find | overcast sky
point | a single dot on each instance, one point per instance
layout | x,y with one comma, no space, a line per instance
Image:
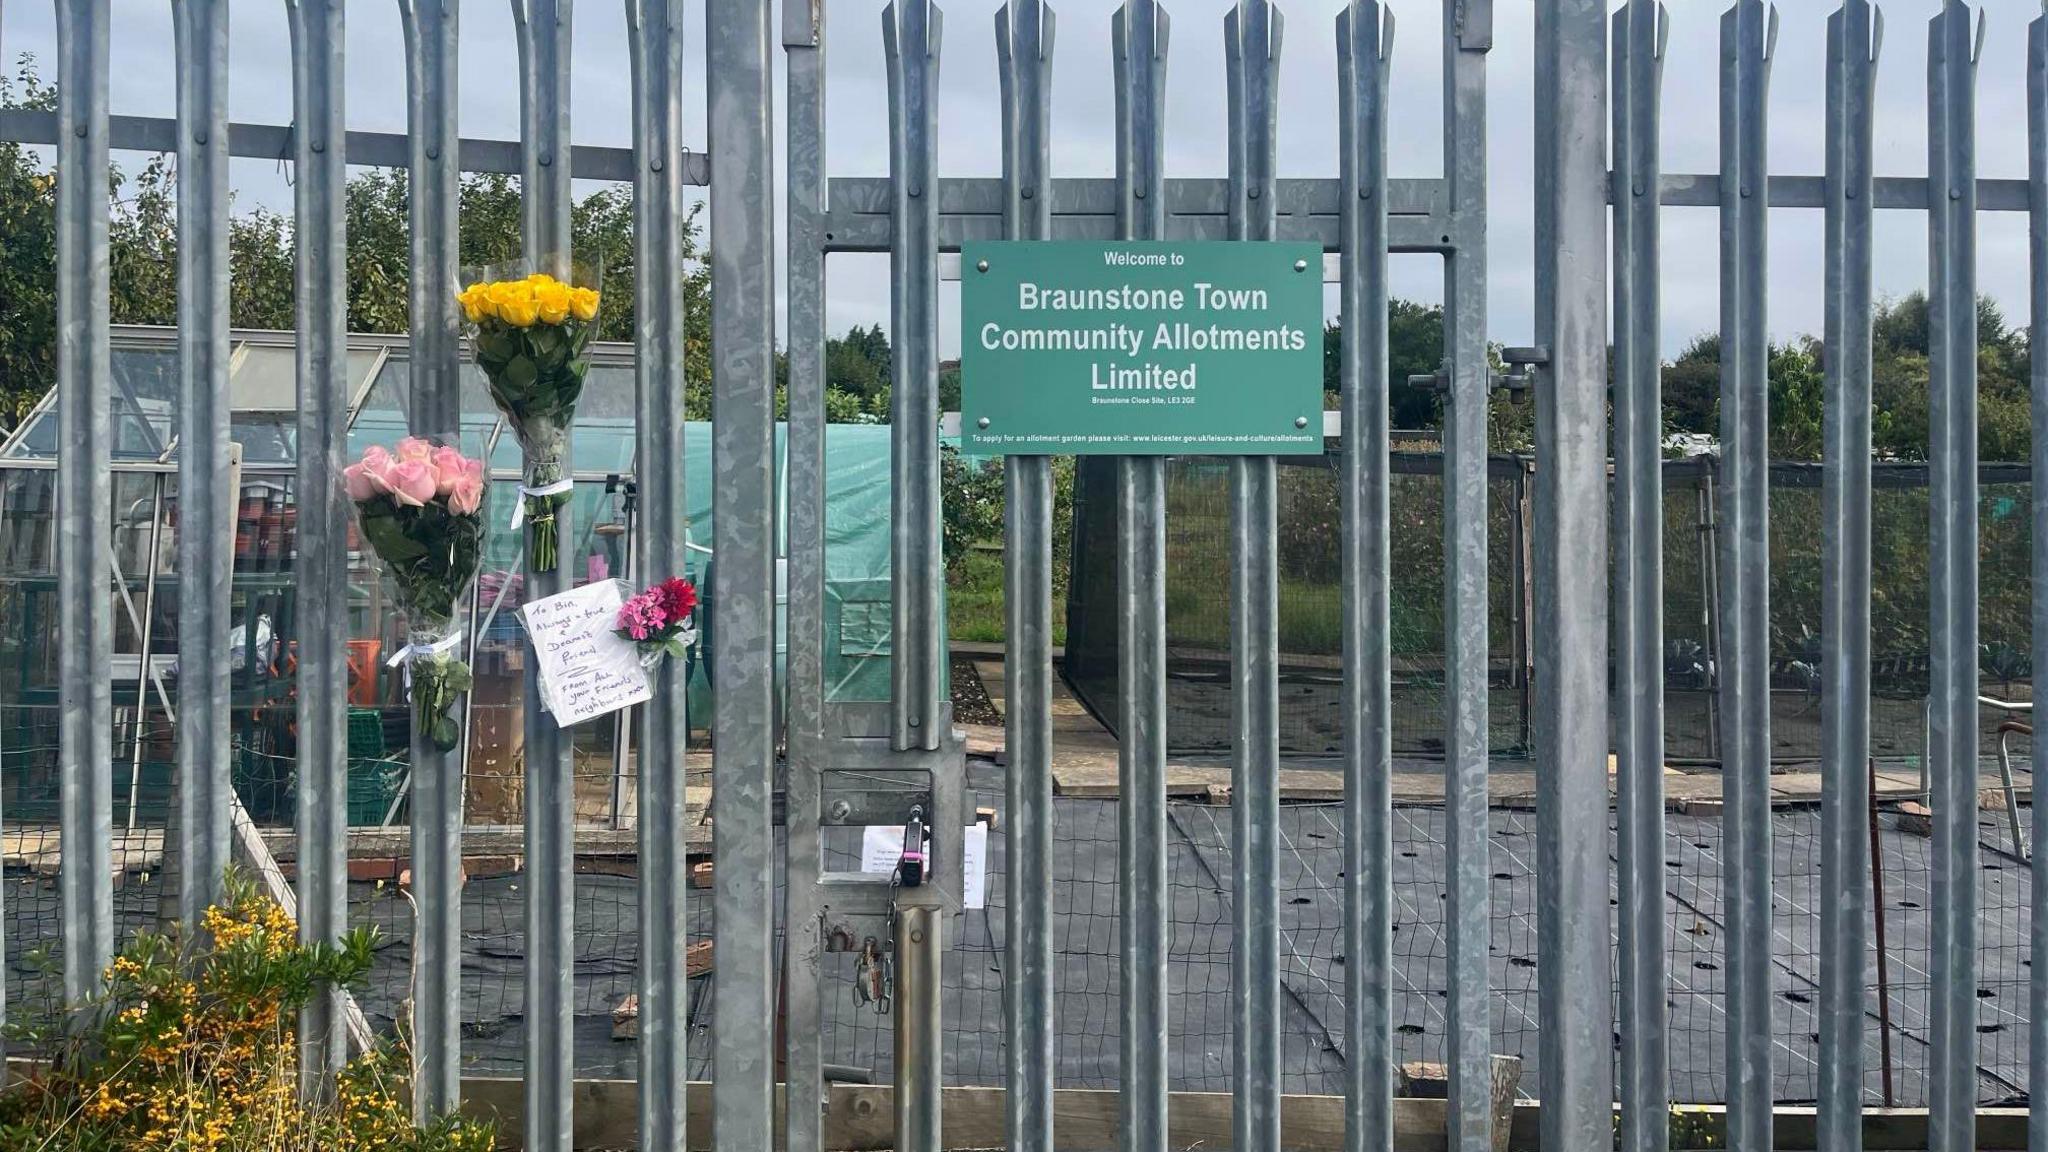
1083,139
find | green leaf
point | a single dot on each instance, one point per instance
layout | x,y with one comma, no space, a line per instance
519,375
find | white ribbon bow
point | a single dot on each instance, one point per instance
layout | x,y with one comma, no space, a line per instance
412,652
519,505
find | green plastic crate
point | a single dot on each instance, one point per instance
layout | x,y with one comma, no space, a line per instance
372,784
365,733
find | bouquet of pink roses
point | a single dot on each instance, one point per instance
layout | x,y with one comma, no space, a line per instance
660,621
421,510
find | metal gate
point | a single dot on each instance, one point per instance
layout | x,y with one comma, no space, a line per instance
861,763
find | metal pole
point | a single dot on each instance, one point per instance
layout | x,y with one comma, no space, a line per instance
1365,41
743,507
84,491
206,526
1748,32
912,31
1139,34
321,566
1640,29
146,633
434,406
655,32
919,1028
1024,43
1710,598
1884,979
1853,34
1577,992
1952,515
2037,266
1468,36
543,28
1252,37
911,36
803,40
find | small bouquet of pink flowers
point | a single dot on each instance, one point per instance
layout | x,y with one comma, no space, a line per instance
660,621
421,511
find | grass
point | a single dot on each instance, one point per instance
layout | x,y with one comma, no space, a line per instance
974,600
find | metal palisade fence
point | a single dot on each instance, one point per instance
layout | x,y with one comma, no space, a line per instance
1597,644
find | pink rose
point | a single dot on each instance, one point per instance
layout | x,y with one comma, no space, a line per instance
414,448
466,495
375,464
411,482
361,483
449,467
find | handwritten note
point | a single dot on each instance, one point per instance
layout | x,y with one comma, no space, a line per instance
586,670
881,847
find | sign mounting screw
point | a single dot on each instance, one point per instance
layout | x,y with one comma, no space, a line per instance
981,423
1301,421
981,266
1301,265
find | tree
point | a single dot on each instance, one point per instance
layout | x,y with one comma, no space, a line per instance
1415,347
143,255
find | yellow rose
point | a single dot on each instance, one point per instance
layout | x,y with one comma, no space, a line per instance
476,303
552,299
583,303
519,313
508,294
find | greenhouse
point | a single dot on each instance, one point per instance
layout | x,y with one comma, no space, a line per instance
142,529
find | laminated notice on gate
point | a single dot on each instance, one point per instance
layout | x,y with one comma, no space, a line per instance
881,848
586,670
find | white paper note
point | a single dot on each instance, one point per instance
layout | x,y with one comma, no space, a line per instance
586,670
881,849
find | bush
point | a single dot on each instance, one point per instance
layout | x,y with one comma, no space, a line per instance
192,1046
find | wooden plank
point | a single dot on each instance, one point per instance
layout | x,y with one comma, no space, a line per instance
255,856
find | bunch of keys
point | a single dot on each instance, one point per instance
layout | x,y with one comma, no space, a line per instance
872,983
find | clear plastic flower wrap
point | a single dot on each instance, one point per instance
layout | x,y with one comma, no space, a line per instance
531,333
420,504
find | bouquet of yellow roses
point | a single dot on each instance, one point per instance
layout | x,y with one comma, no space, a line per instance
530,335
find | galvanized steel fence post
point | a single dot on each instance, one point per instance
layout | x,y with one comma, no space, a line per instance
320,313
1024,43
2038,369
910,39
206,506
2037,267
1251,42
911,36
1640,28
84,491
1365,35
434,406
742,239
803,41
1952,46
1467,38
1748,33
1853,38
543,28
1139,33
659,220
1577,988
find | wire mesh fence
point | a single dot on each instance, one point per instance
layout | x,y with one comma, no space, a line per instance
1197,610
1200,949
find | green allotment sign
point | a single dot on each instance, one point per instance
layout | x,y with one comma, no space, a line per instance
1211,348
